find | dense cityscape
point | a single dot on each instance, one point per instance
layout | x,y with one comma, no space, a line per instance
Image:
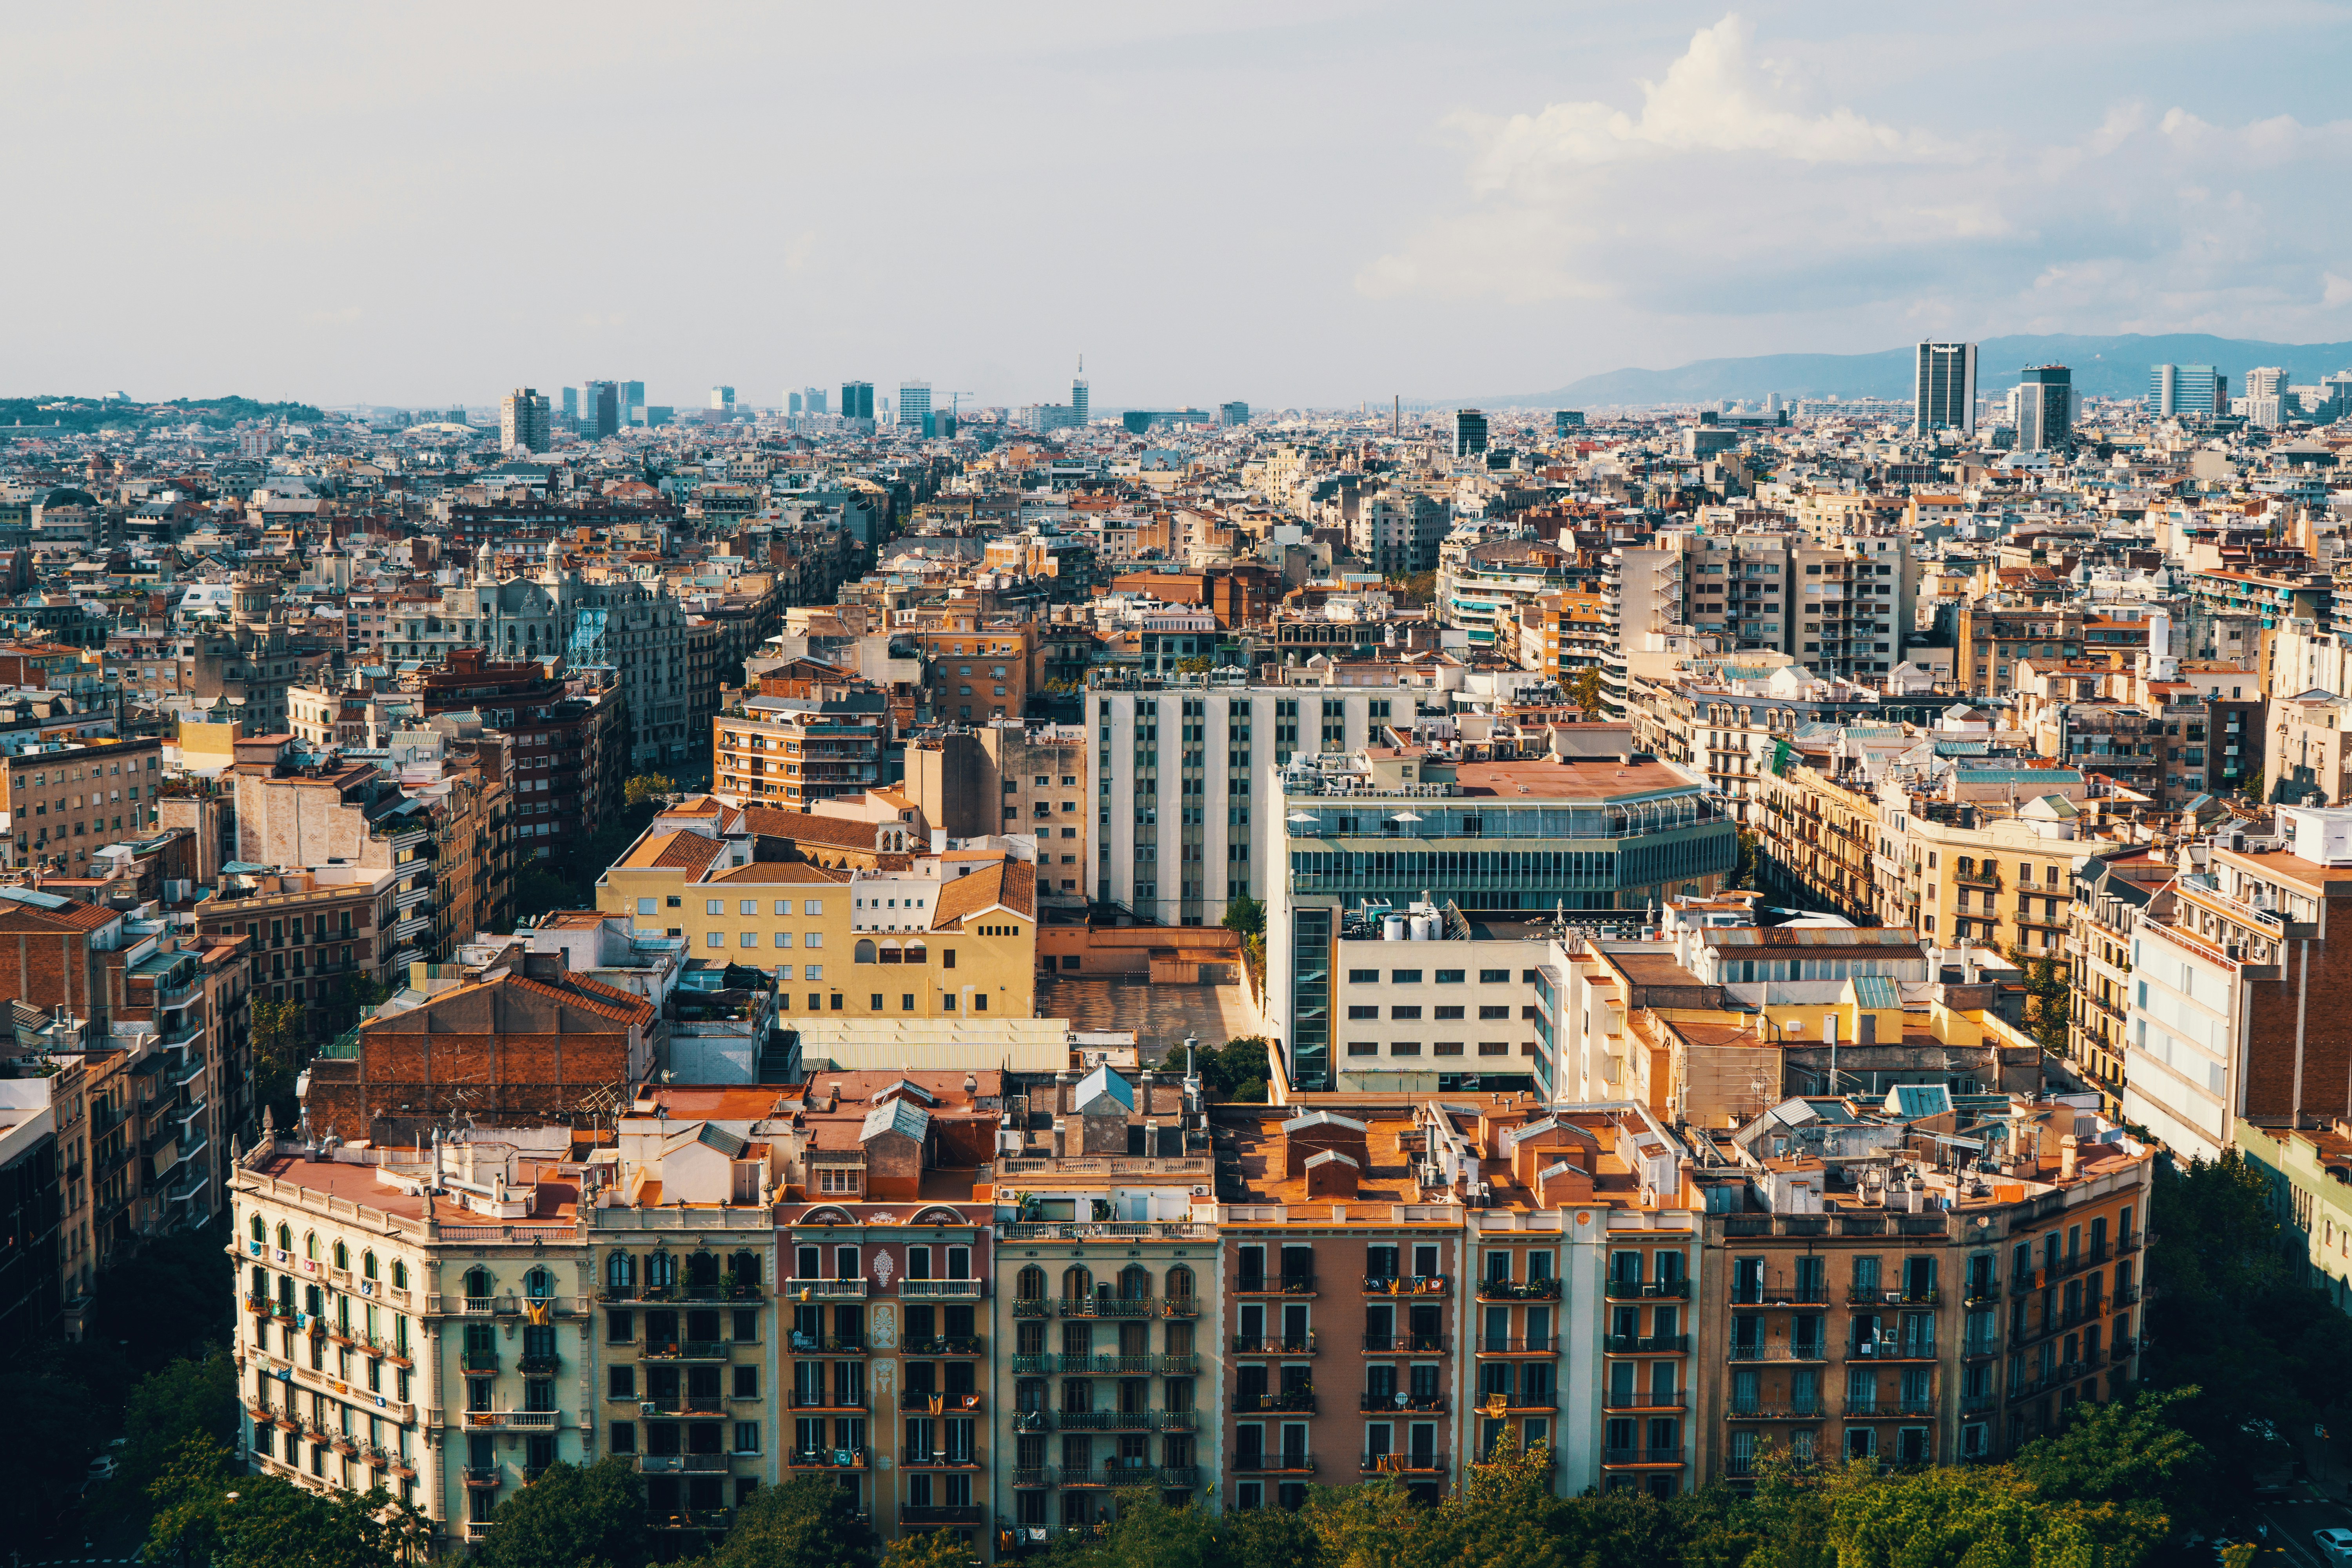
450,853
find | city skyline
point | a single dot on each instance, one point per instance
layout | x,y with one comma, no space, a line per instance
2118,176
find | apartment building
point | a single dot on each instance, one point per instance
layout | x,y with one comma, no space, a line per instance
792,751
2310,1199
35,1270
307,931
2225,1016
975,669
67,799
677,1229
1877,1292
339,1275
1586,832
1106,1282
1996,870
1009,778
1184,825
960,929
2114,889
1399,979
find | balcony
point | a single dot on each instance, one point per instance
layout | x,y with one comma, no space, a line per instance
1297,1402
947,1345
1506,1344
1638,1291
537,1365
520,1420
1402,1403
1795,1350
1775,1410
1772,1293
1621,1457
477,1360
1519,1291
1862,1295
820,1400
938,1459
964,1290
1031,1307
1274,1344
669,1464
825,1344
1271,1285
818,1289
1648,1344
912,1514
826,1459
708,1518
1106,1420
686,1350
481,1475
1406,1463
1408,1284
676,1405
1107,1307
941,1402
1642,1399
1892,1349
1287,1463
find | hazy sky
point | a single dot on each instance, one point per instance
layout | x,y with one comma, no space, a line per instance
1285,201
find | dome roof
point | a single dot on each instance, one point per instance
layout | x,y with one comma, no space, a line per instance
66,496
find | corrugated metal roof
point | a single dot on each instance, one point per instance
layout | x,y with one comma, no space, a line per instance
900,1116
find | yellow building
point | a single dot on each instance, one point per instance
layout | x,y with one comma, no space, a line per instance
1816,838
1963,874
946,936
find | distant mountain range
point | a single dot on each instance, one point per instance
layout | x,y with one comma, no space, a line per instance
2104,367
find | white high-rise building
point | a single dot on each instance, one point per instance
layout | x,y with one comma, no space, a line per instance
1946,393
914,405
722,397
524,421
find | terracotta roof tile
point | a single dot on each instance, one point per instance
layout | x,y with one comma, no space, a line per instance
684,849
1011,884
771,823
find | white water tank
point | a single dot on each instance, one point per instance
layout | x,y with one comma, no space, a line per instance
1424,928
1393,928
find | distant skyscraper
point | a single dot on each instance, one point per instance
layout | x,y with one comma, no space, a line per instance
1944,396
1232,414
813,400
722,397
1469,431
791,402
2163,391
2045,408
858,400
603,404
523,421
632,410
572,403
1078,395
1563,420
915,406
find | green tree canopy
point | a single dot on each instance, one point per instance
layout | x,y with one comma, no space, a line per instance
570,1518
212,1512
804,1523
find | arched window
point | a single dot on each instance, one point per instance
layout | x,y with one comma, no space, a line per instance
745,1267
260,1231
916,952
538,1284
702,1271
1077,1284
1030,1286
890,954
310,1245
1135,1283
477,1282
342,1257
284,1238
1180,1284
863,953
367,1264
661,1270
399,1275
620,1272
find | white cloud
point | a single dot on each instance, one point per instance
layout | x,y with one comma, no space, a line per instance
1738,189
